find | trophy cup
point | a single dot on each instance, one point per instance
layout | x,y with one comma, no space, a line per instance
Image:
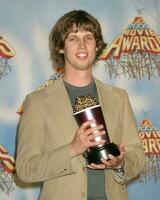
86,108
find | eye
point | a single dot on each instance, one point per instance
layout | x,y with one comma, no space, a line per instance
89,38
72,39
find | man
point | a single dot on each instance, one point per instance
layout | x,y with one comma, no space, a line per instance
50,143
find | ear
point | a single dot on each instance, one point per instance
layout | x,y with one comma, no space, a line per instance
61,51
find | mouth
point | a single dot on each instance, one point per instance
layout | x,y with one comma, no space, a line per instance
82,56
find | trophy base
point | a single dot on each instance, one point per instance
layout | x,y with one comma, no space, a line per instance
95,154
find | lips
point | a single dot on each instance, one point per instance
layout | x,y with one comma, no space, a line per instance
82,55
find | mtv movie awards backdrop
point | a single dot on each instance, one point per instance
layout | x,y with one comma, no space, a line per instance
130,61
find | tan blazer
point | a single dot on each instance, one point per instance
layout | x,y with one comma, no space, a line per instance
47,127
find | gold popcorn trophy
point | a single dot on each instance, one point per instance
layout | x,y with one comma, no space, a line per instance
86,108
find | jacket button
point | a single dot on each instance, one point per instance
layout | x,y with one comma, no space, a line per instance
84,169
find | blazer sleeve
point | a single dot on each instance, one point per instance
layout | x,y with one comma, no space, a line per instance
134,155
33,164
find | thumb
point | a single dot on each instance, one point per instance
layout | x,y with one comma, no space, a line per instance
122,148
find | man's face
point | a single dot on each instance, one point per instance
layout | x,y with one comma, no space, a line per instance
79,50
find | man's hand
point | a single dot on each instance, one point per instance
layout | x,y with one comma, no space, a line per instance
113,161
84,136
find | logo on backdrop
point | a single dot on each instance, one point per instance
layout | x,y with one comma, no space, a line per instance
7,169
135,53
6,52
150,137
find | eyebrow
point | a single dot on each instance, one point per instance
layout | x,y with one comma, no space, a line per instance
74,34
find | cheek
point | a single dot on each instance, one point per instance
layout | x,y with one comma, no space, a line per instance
70,49
69,53
92,48
93,52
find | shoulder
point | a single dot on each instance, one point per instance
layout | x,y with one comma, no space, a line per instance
48,86
42,88
114,90
111,93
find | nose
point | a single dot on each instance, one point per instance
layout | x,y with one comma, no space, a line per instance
82,43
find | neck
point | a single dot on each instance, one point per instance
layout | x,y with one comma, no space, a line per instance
78,78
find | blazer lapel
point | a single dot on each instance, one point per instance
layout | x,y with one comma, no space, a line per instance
108,105
62,112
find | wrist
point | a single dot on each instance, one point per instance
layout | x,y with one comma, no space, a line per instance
73,151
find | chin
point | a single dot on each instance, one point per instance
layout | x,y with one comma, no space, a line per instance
84,68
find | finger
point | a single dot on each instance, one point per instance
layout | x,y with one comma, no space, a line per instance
107,163
92,143
96,128
116,160
86,124
93,130
89,166
94,135
97,166
112,158
122,148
